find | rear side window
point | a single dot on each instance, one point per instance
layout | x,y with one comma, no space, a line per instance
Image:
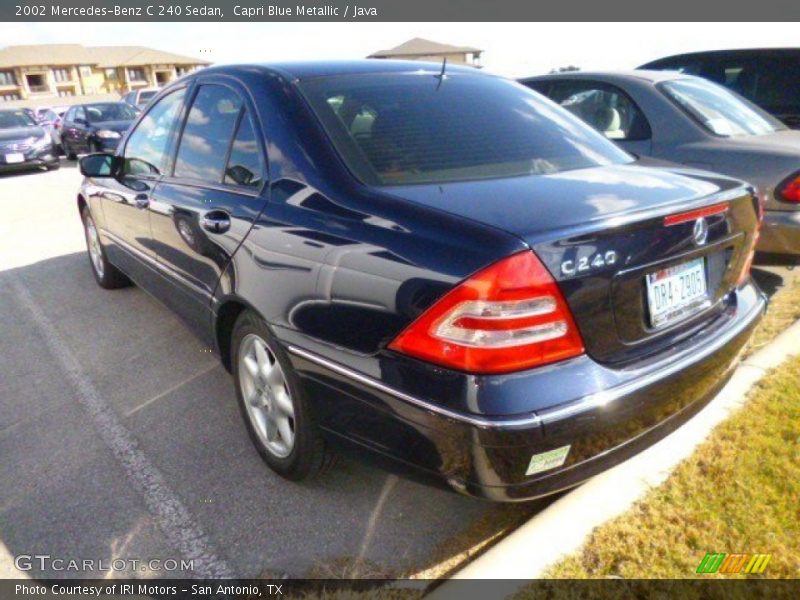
603,106
718,110
244,165
207,134
418,128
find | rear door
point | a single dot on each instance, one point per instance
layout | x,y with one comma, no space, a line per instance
206,205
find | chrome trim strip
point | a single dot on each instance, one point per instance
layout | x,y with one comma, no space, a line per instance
599,399
689,357
529,421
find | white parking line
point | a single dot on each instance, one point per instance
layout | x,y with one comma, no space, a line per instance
169,390
175,521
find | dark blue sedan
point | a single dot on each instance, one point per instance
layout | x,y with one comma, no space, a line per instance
439,269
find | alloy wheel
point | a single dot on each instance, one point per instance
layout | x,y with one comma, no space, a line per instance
95,250
266,395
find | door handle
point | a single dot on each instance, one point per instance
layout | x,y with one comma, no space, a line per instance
216,221
142,201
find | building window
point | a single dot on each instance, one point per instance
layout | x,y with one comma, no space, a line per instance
136,74
62,75
111,74
66,93
37,82
7,78
9,96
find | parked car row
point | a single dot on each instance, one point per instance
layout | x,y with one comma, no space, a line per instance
437,266
691,121
68,130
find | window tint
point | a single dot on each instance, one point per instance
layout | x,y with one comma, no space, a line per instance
207,134
244,165
605,107
417,128
79,113
147,144
719,111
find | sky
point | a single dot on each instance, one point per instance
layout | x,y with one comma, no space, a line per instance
510,49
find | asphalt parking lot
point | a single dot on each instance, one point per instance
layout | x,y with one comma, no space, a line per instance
120,437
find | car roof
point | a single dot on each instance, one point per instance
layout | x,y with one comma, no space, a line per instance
628,75
731,52
310,69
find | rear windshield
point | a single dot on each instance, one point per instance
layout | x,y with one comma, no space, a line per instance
718,110
395,129
118,111
15,118
146,95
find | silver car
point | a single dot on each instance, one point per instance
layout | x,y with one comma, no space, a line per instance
688,120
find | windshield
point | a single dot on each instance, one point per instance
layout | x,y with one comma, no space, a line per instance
414,128
118,111
15,118
718,110
145,96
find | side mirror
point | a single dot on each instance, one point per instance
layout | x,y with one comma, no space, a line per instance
99,165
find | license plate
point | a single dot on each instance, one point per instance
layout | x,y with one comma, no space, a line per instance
675,292
15,157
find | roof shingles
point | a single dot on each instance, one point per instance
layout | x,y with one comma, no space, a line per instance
101,56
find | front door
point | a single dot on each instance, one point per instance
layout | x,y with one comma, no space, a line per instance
203,210
126,200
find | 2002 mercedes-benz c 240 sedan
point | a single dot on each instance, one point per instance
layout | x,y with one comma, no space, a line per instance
443,268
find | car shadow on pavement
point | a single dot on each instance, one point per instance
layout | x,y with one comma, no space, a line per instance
769,281
82,368
65,164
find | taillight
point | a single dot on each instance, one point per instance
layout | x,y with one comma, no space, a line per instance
507,317
790,191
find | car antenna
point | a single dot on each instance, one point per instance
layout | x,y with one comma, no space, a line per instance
441,75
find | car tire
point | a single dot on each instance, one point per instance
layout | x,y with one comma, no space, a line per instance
53,165
94,148
271,400
106,274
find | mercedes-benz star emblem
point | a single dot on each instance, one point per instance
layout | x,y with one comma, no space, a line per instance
700,231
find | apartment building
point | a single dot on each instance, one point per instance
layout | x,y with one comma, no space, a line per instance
39,72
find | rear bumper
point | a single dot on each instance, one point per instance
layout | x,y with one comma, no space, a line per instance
780,233
33,159
488,456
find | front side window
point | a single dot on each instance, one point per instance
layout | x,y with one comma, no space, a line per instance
418,128
145,152
718,110
603,106
207,134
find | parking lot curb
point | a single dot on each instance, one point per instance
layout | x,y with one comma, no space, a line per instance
563,527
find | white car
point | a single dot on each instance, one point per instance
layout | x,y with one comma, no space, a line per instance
140,98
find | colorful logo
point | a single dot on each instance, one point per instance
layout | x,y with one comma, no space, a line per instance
733,563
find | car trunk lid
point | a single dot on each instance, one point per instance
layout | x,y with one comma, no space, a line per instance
601,233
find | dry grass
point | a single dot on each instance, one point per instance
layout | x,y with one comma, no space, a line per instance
739,492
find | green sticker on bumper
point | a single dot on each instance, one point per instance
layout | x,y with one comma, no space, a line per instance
547,460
